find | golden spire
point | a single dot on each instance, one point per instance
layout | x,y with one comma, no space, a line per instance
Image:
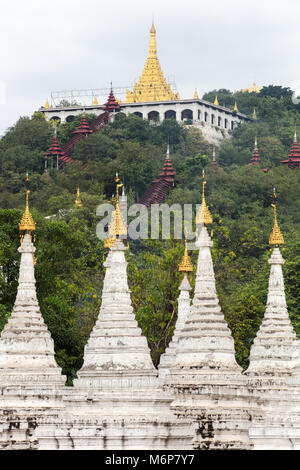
254,114
47,104
203,216
235,107
216,100
276,237
196,97
186,264
116,227
78,202
152,85
27,224
95,102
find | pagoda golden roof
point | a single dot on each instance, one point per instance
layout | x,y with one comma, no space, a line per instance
78,202
117,226
152,85
252,89
186,264
276,237
203,215
27,223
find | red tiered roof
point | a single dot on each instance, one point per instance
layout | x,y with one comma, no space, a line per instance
255,155
293,160
160,187
83,127
54,148
111,104
168,173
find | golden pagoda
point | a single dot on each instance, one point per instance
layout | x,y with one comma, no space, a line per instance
276,237
116,227
186,264
78,202
216,102
95,102
252,89
152,85
203,216
235,107
196,97
47,104
27,224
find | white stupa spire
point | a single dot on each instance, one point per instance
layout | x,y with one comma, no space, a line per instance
184,303
26,346
275,349
116,349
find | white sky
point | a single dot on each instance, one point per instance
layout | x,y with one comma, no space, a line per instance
73,44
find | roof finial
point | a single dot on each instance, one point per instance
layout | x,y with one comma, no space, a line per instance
204,215
116,227
47,104
95,102
186,264
216,102
78,202
27,224
196,97
276,237
235,107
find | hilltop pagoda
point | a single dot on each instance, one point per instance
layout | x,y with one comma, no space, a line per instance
152,85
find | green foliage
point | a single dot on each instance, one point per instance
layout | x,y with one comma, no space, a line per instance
69,269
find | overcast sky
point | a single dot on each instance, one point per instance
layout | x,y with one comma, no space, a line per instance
74,44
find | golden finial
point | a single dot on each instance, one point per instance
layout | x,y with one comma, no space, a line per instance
78,202
47,104
235,107
196,97
276,237
116,227
216,100
95,102
27,224
254,114
186,264
204,215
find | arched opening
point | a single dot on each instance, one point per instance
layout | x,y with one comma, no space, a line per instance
212,119
137,113
226,123
232,125
199,115
219,121
170,114
153,116
205,116
187,114
55,118
70,118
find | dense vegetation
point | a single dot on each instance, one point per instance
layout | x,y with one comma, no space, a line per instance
69,267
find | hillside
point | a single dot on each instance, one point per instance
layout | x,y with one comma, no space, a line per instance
69,268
